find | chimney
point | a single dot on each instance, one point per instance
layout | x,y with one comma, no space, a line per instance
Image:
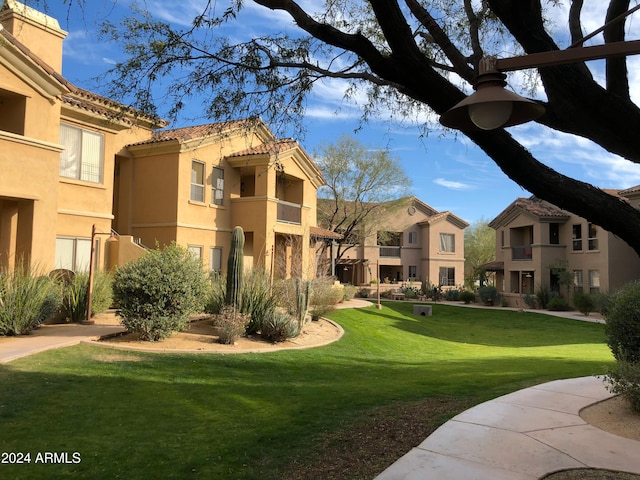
40,33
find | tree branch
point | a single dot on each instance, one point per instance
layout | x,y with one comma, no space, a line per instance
617,75
454,55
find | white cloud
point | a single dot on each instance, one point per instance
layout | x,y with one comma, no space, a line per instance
451,184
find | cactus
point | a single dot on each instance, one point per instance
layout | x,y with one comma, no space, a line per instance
303,296
235,268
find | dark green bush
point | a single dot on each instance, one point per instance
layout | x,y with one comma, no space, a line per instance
157,292
452,295
623,324
467,296
603,302
584,302
557,304
530,300
488,294
543,294
624,379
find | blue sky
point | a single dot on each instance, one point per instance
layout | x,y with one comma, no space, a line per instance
448,172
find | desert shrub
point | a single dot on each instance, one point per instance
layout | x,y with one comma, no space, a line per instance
529,300
349,292
543,294
363,293
467,296
26,300
488,294
75,295
623,324
285,293
231,325
279,327
452,295
215,296
624,379
324,297
157,292
256,298
584,302
557,304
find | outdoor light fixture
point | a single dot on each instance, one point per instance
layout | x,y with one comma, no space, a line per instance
491,106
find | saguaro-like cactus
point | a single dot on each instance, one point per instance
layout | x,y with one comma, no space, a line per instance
303,296
235,268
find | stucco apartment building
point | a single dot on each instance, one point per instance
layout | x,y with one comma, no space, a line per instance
71,160
534,237
411,241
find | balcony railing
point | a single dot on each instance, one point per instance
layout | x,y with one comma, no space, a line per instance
523,252
390,252
289,212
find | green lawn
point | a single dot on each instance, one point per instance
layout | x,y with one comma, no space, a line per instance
140,415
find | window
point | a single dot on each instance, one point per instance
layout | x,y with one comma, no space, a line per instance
577,237
447,276
196,251
413,270
447,242
593,233
594,281
215,260
577,281
217,186
197,181
554,233
413,238
82,155
502,238
73,253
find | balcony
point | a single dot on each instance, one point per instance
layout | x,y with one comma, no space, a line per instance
289,212
389,252
522,252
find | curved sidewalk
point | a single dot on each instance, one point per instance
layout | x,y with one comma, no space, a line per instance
520,436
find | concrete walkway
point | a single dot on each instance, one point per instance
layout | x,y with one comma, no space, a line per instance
520,436
48,337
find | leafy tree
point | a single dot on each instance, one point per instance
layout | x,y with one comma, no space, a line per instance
408,57
362,182
479,248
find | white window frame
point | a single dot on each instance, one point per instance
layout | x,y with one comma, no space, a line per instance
83,154
215,256
74,253
445,281
217,186
197,189
196,251
448,243
413,238
578,282
576,237
592,237
594,281
413,272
